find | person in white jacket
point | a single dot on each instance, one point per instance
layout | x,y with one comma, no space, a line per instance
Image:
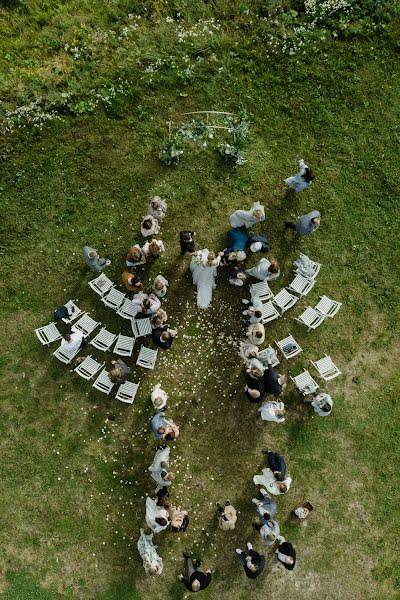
157,517
159,397
159,469
274,487
272,411
149,226
157,208
160,286
322,404
248,218
302,180
256,334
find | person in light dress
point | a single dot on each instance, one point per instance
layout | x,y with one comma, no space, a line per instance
204,271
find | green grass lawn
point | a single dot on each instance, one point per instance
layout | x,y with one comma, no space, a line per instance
73,483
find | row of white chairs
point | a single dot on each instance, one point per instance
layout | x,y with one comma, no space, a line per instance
89,367
326,368
113,298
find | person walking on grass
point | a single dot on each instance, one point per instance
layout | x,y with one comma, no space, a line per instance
322,404
302,180
157,517
269,532
196,579
253,562
93,260
163,337
286,554
227,516
159,469
307,224
266,507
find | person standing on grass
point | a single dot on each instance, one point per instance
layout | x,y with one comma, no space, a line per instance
276,463
322,404
132,282
254,389
302,180
265,270
157,208
273,411
196,579
274,383
186,242
247,218
159,469
152,562
286,554
153,249
120,371
157,517
93,260
162,428
266,508
163,337
227,516
160,286
256,334
269,532
149,226
307,224
253,562
135,256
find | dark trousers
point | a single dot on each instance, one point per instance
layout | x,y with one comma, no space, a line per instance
290,225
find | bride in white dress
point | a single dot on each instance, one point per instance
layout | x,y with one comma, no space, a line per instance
204,270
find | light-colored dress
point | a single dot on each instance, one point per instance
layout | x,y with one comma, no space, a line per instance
155,469
160,292
154,229
152,562
245,349
158,213
267,480
297,182
159,243
96,264
204,276
268,409
260,271
319,401
246,218
304,266
152,513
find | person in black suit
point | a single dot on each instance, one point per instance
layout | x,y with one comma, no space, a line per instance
186,241
196,579
254,389
163,337
286,555
253,562
271,381
276,463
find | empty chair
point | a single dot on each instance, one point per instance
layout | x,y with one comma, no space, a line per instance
326,368
103,340
288,346
103,382
127,392
305,383
147,358
261,290
269,312
311,318
65,354
301,285
48,334
267,353
85,324
124,345
141,327
328,307
315,266
88,368
114,299
128,310
74,314
101,284
284,300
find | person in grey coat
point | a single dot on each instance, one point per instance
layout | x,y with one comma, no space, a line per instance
266,508
93,260
306,224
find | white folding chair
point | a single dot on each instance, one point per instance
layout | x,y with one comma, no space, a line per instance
326,368
48,334
103,382
314,265
284,300
103,340
114,299
261,290
86,325
328,307
88,368
75,313
141,327
305,383
301,285
269,312
288,346
127,392
101,284
147,358
124,345
128,310
65,355
311,318
263,356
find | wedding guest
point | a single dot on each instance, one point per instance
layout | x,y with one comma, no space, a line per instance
157,517
307,224
147,306
135,256
179,518
254,315
162,428
73,340
149,226
266,508
269,532
132,281
256,334
247,351
271,485
236,242
93,260
159,397
152,562
254,389
276,463
302,180
158,319
163,337
322,404
153,249
159,469
265,270
186,242
227,516
253,562
274,382
286,554
197,579
258,243
120,371
160,286
157,208
273,411
248,218
237,277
